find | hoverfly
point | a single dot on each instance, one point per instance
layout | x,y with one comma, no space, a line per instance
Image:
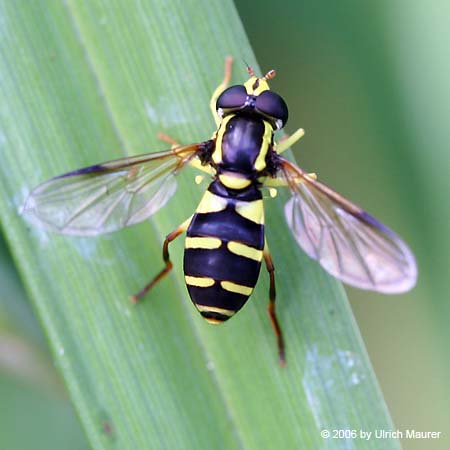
225,242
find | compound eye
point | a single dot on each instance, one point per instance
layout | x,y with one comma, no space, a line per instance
232,98
272,105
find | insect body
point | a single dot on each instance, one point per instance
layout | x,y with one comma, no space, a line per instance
225,243
225,240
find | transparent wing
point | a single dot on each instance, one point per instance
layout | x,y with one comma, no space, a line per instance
348,243
109,196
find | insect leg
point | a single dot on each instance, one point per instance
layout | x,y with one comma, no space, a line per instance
271,307
289,141
169,139
169,238
222,86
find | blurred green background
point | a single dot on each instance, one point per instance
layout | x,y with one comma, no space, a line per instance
369,82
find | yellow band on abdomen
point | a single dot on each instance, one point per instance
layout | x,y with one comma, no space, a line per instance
251,210
237,288
244,250
202,242
211,203
225,312
199,281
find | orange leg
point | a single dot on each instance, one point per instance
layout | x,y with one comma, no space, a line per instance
222,86
169,139
271,307
166,257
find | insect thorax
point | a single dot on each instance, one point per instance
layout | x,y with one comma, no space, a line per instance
242,145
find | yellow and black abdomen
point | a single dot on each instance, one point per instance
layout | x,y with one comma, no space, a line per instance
223,251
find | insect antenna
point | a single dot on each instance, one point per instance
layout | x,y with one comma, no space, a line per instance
250,70
269,75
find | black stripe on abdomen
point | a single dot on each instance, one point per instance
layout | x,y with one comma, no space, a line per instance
221,264
218,297
228,225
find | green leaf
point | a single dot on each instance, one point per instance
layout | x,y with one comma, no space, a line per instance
32,394
85,82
